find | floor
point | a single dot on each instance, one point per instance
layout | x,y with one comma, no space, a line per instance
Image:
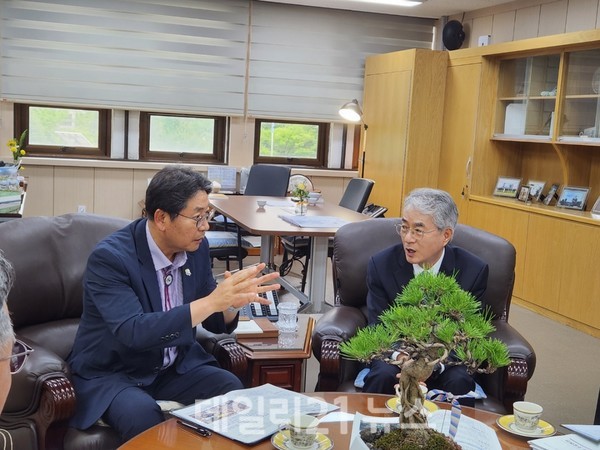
567,377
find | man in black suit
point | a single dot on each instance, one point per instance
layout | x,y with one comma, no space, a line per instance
429,217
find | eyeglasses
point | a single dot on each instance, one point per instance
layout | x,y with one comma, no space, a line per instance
202,219
20,352
418,233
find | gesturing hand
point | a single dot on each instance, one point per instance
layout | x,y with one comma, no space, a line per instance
242,287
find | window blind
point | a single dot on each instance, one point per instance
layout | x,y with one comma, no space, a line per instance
306,62
181,55
192,55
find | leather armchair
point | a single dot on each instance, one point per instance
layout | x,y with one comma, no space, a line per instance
50,255
354,244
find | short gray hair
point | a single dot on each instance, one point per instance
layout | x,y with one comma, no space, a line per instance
435,203
7,275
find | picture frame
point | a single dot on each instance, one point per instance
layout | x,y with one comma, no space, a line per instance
524,193
596,207
551,194
507,187
536,189
573,197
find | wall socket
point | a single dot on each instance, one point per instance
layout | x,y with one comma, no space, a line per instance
484,40
81,208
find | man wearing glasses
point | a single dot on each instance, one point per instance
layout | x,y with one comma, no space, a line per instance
146,288
429,217
13,353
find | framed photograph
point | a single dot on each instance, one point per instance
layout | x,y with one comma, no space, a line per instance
536,189
551,193
507,187
573,197
524,193
596,207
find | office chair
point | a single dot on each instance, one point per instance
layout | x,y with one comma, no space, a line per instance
225,239
295,248
268,179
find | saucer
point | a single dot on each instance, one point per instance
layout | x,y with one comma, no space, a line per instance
507,423
393,405
279,442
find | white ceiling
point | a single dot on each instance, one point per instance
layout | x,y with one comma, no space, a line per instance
430,8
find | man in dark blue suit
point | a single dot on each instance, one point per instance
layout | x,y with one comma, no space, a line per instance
429,217
146,288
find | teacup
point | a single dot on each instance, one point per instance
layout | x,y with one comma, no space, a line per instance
261,203
303,431
313,198
527,415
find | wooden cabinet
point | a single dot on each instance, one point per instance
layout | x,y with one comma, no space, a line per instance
537,118
403,109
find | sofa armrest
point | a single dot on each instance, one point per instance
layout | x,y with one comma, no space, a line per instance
335,326
509,384
229,354
41,392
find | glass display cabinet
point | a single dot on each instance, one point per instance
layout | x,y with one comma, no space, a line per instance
527,93
580,119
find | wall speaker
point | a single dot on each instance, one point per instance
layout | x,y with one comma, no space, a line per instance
453,35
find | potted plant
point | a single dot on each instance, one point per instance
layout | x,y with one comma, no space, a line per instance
432,318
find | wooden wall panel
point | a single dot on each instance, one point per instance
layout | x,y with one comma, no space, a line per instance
73,186
113,191
40,191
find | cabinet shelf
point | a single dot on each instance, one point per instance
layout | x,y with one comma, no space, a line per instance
521,138
539,208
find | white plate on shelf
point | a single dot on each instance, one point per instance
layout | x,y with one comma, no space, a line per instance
507,423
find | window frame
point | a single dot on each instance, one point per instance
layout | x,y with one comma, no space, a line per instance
322,145
21,123
219,141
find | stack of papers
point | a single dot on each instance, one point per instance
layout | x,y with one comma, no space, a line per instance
314,221
566,442
10,201
587,431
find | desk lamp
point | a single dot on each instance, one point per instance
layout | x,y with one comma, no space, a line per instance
351,111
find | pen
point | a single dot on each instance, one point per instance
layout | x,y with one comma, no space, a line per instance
196,428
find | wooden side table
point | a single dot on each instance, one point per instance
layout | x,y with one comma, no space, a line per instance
280,361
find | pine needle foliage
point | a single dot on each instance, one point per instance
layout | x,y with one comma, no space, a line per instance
431,318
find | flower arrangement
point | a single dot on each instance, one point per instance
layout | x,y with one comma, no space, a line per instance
16,147
300,193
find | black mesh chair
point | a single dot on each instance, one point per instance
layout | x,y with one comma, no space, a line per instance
225,239
296,248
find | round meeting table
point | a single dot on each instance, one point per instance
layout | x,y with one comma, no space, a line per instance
171,435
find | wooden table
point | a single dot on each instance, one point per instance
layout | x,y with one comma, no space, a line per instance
282,361
170,435
244,211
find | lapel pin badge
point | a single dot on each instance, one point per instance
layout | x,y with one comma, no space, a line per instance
188,272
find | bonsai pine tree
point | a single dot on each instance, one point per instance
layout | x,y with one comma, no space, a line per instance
431,318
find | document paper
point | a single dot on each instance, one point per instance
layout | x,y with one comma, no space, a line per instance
250,415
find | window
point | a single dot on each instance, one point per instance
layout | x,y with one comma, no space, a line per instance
182,138
285,142
57,130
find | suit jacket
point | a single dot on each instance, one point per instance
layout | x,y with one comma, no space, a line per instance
123,330
389,271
